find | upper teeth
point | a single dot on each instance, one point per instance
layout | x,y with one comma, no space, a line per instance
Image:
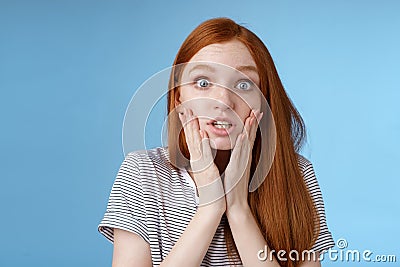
222,124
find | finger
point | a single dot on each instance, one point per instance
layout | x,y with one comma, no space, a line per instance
254,126
254,122
207,157
247,125
244,155
259,117
249,133
201,134
255,114
258,121
194,141
237,162
206,147
185,119
183,116
237,148
194,127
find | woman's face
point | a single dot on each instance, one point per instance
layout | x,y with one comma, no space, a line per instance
220,85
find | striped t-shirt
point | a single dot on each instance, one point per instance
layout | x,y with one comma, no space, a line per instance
157,202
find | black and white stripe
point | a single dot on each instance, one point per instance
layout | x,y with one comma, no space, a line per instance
157,202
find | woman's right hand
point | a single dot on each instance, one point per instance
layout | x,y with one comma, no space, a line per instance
203,169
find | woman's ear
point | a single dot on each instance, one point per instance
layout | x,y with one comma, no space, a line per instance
177,102
178,106
177,99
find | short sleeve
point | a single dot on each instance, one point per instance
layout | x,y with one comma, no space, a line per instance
324,240
126,208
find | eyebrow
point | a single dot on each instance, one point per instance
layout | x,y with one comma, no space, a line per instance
211,69
202,67
248,68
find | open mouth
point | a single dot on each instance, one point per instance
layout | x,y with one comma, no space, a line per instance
222,124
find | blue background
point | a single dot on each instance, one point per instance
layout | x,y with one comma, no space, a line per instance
68,70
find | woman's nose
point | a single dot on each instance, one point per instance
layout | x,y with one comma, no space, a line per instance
224,99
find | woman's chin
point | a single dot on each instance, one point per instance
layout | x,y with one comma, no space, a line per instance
221,144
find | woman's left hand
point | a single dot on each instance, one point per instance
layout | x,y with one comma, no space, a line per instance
237,173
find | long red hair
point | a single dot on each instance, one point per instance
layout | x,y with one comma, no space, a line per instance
282,205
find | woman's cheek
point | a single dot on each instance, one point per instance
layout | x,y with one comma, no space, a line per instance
253,102
256,105
197,107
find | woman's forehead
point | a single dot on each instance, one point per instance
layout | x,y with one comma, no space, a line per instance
233,54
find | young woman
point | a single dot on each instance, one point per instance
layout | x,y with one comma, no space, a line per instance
189,204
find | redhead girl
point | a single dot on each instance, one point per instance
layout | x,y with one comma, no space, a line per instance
230,189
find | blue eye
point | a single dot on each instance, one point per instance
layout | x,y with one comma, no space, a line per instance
244,85
202,83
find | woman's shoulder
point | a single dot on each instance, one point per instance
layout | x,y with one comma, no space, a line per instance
149,152
303,161
307,170
143,165
142,157
152,172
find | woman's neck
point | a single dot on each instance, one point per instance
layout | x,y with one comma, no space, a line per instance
221,159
